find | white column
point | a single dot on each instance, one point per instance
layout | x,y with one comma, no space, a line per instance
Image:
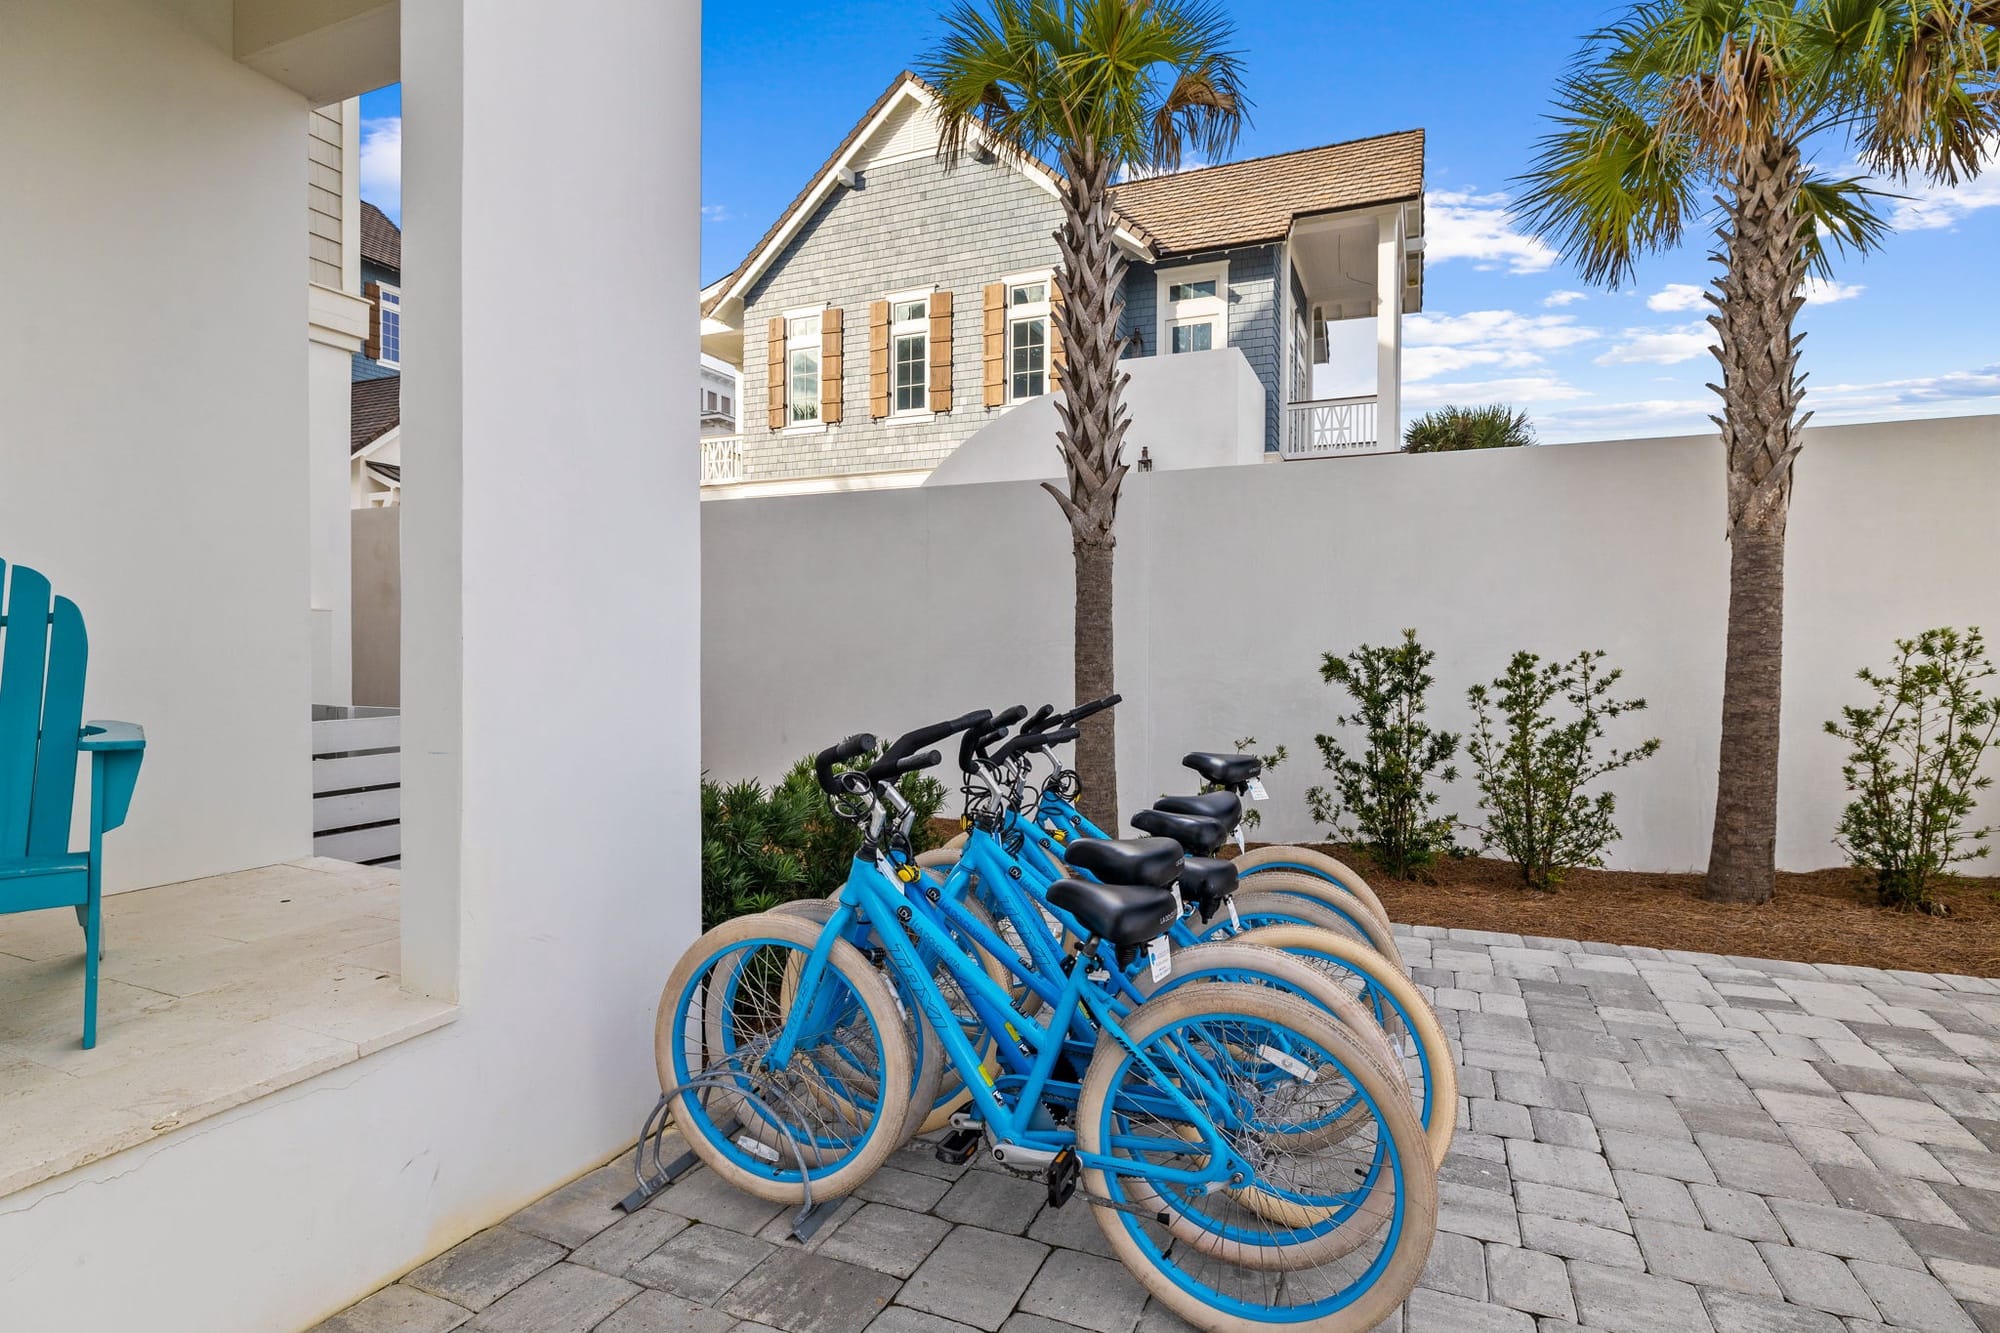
1389,330
336,325
551,538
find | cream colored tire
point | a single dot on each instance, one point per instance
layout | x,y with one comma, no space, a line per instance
1348,914
884,1133
1339,871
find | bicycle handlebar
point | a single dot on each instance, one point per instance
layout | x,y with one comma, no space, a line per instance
1034,740
1091,709
973,747
1043,719
891,764
859,743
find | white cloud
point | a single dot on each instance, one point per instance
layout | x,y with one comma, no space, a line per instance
1462,224
382,165
1444,344
1820,291
716,213
1650,416
1678,296
1516,391
1974,388
1556,300
1660,347
1926,207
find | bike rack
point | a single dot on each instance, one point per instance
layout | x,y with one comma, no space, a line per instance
662,1174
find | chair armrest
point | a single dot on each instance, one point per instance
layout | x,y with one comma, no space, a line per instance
97,736
116,750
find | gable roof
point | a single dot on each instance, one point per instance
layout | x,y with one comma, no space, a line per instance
377,407
1239,203
1244,203
381,239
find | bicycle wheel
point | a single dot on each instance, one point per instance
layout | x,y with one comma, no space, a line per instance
1264,860
1423,1055
839,1101
1343,1233
1284,896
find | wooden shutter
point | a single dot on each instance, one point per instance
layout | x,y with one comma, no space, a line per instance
774,375
996,344
1056,357
941,351
878,360
372,349
832,368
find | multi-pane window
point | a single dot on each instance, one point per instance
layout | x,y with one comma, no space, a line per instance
910,353
1192,336
1027,338
389,307
1191,291
1193,305
802,368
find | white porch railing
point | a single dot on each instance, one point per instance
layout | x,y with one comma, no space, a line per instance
721,459
1333,428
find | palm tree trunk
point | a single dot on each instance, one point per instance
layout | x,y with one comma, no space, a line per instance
1091,439
1761,425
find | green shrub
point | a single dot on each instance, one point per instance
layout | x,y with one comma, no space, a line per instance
1382,796
1447,429
1533,764
1913,765
762,848
1252,816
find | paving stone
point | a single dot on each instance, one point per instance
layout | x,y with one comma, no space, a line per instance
1159,1319
1901,1157
903,1189
1911,1299
701,1262
479,1271
1921,1122
1827,1111
1565,1129
974,1276
703,1196
1073,1227
902,1319
1572,1205
1820,1281
1657,1199
1538,1090
1530,1281
888,1240
1635,1302
397,1309
1841,1232
1979,1208
1572,1168
1482,1214
659,1312
1736,1122
1087,1292
1704,1257
1736,1213
1871,1191
580,1209
1436,1312
1936,1242
794,1289
995,1202
1769,1169
563,1299
1578,1240
629,1240
1826,1146
1504,1119
1467,1168
1676,1159
1734,1312
1969,1281
1976,1170
1457,1265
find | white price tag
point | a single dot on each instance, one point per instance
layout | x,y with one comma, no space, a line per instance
1296,1068
1235,921
1163,962
1257,792
1180,906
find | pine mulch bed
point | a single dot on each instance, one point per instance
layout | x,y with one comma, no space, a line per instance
1826,916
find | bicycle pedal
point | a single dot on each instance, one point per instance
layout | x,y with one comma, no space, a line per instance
957,1147
1062,1177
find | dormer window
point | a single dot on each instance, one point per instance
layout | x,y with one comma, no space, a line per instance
385,325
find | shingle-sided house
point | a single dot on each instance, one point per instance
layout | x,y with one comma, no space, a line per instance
899,305
376,448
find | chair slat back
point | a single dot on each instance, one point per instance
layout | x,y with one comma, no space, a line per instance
62,719
23,661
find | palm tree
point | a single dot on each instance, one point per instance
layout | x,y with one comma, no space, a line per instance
1682,103
1452,429
1095,88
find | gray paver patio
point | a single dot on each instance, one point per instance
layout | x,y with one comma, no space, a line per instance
1650,1142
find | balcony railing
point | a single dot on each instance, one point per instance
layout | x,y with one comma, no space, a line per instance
721,459
1333,428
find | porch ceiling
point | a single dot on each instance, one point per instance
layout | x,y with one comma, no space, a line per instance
1338,261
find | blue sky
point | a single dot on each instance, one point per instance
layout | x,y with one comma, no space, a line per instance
1908,331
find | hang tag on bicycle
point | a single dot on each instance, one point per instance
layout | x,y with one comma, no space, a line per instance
1162,957
756,1149
1180,907
1297,1068
1255,786
1235,921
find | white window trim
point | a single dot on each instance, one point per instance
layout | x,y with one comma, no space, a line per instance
383,289
1045,312
804,427
924,410
1167,313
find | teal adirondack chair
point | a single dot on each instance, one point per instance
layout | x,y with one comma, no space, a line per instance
42,652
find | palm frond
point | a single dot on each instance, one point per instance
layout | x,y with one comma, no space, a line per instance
1839,217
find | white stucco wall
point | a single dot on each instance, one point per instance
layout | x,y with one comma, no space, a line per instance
828,614
551,694
1199,409
152,411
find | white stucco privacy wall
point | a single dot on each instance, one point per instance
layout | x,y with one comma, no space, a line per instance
1615,546
551,690
152,411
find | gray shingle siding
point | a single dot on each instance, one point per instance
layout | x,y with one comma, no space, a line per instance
909,226
1253,317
